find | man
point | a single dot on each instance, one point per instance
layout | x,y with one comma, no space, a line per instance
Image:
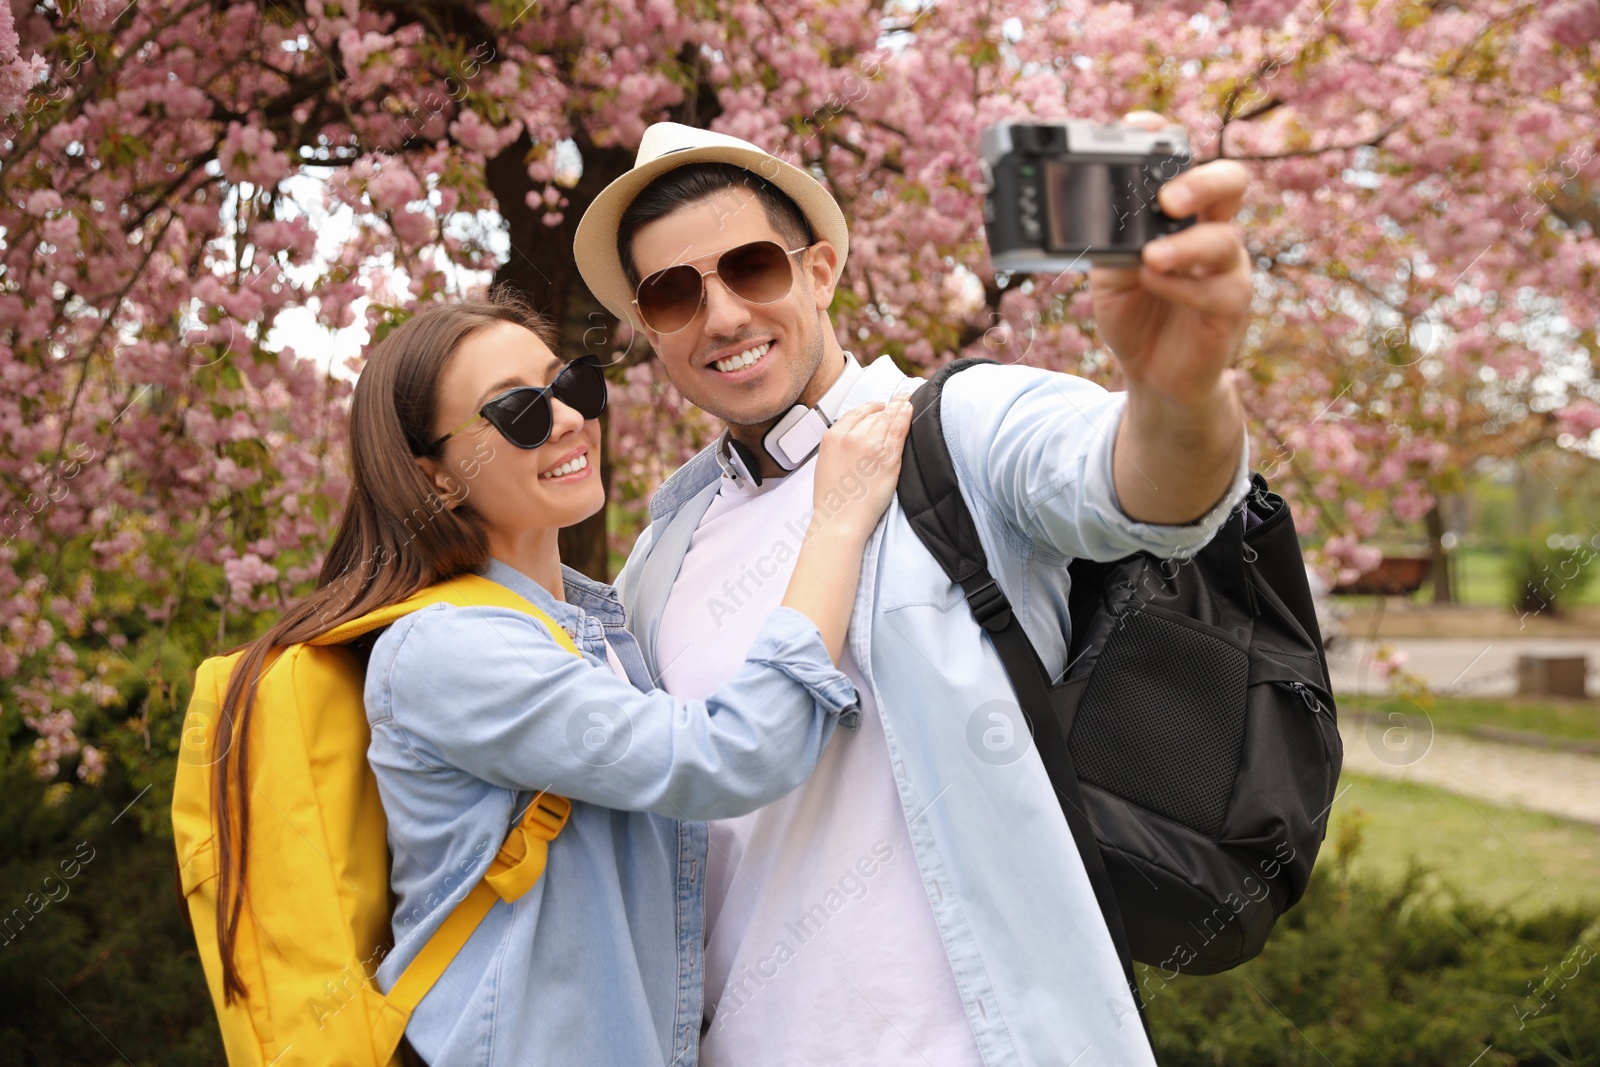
919,900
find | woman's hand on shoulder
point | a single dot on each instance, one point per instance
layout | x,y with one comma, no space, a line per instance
858,466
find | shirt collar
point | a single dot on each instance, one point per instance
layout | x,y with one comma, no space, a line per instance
583,594
596,598
832,402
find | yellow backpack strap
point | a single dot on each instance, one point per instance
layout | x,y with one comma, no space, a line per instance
467,590
520,863
516,867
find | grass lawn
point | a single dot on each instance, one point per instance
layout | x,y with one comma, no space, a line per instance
1480,579
1523,861
1578,719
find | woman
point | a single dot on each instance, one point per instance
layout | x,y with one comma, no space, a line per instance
472,445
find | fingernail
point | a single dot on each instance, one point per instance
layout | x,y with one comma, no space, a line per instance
1179,200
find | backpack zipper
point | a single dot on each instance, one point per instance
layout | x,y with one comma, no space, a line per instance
1309,696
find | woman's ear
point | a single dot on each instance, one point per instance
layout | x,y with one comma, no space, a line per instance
823,260
443,482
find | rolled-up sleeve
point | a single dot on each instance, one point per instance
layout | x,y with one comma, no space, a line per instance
1035,447
489,692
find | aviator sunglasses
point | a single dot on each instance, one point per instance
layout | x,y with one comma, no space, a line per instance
757,273
524,416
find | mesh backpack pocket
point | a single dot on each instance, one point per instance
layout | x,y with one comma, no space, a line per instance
1162,721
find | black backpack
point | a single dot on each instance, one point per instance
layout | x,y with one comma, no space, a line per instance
1192,742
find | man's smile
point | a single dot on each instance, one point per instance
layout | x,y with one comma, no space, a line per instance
740,360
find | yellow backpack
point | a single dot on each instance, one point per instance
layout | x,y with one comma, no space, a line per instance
317,907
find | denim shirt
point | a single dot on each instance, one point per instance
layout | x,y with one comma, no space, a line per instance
1031,957
474,709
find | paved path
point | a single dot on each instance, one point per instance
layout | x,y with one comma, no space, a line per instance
1557,783
1459,666
1539,779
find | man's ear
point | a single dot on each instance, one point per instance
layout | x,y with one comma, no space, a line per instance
823,260
651,338
444,483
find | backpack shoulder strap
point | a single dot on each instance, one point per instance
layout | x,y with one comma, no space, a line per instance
521,860
929,492
930,496
466,590
516,867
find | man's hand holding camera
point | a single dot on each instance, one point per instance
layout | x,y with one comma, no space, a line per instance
1175,324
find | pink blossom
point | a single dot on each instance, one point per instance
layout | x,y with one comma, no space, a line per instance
412,227
476,134
56,740
1413,502
1579,418
169,273
1351,558
43,202
1575,23
1388,660
247,155
294,236
393,187
246,573
91,764
17,75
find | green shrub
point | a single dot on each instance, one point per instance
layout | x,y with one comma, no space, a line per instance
1362,973
97,963
1547,579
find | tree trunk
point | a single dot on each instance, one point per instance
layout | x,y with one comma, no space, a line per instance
1442,591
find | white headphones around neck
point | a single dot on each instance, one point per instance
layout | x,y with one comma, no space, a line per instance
792,441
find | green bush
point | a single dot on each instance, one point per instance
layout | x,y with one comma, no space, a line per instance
1545,579
97,963
1362,973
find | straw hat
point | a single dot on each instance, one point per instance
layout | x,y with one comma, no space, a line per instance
668,145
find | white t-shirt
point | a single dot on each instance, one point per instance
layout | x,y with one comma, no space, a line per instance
821,945
616,664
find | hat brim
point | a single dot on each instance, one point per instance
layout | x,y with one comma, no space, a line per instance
595,243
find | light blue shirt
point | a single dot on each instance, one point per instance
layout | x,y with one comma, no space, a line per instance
1031,957
474,709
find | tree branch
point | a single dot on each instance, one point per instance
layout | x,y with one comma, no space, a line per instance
1371,142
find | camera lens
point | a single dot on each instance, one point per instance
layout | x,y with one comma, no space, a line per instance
1040,138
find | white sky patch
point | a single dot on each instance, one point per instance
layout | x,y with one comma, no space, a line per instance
569,163
969,289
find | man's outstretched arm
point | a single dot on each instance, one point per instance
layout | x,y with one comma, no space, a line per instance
1175,325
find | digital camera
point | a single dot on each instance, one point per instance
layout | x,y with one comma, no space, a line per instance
1066,195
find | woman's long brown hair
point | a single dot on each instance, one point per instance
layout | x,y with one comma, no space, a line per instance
395,539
